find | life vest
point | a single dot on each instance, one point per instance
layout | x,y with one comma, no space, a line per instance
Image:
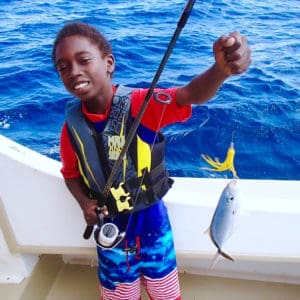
140,181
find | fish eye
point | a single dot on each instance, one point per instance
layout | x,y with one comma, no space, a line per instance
230,198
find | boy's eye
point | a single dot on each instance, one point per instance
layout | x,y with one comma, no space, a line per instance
61,68
85,60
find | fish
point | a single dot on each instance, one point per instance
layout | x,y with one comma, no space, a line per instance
224,219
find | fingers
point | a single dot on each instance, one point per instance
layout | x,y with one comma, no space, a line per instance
90,212
240,65
238,56
232,53
229,41
103,209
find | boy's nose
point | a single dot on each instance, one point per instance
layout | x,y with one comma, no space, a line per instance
75,70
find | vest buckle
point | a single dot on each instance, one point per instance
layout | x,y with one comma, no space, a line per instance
121,197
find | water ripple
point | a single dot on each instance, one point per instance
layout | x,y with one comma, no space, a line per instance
259,111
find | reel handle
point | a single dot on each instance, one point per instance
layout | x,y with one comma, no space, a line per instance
90,228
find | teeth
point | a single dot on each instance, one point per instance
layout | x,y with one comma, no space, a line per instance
80,85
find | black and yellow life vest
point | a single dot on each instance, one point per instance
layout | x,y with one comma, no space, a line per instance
142,178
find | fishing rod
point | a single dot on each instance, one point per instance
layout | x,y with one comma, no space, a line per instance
181,23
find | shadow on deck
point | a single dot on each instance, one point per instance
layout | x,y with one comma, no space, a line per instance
52,279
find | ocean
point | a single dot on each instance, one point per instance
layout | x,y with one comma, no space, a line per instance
258,111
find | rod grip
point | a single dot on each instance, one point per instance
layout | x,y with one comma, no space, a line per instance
88,232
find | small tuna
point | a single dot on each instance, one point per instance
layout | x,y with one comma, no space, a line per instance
224,218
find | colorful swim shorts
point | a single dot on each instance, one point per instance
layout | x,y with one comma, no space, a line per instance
147,258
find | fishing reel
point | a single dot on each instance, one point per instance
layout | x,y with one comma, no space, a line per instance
107,235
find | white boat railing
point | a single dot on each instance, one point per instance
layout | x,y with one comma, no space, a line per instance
38,216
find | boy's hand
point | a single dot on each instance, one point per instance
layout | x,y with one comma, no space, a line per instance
232,54
90,211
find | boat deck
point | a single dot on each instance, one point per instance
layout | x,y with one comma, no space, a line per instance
52,279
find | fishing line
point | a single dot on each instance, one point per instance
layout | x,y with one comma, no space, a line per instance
151,148
201,29
159,125
181,23
161,118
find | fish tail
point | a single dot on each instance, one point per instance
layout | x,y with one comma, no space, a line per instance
214,261
217,256
225,255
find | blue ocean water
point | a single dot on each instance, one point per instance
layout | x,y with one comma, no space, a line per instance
259,111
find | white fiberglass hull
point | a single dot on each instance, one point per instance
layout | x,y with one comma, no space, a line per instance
38,216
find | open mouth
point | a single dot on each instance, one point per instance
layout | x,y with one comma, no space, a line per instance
80,86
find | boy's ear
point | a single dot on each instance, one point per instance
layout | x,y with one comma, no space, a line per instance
110,60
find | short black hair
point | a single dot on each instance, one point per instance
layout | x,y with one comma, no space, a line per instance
84,30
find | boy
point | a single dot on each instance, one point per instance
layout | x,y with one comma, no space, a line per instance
144,251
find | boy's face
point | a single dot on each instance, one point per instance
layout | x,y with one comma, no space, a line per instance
84,71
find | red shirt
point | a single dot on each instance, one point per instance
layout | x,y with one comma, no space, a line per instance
155,117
